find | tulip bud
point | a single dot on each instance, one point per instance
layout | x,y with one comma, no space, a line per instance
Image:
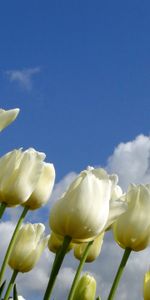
86,288
7,117
94,250
146,286
55,243
132,229
28,247
83,211
19,175
43,189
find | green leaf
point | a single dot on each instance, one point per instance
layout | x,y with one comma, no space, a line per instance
2,287
15,294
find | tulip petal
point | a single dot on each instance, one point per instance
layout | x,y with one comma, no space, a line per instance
117,208
7,117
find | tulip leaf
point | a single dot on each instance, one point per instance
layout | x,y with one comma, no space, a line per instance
15,294
2,287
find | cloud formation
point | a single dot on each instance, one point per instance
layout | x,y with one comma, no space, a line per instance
131,161
23,77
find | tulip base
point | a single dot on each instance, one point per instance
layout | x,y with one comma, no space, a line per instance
56,266
119,273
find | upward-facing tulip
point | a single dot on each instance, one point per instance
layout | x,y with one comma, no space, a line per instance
84,210
19,175
28,247
132,229
7,117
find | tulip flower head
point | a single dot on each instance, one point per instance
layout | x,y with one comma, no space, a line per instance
86,288
19,175
7,117
146,286
132,229
28,247
44,187
84,210
94,250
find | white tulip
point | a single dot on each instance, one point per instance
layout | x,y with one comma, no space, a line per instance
7,117
28,247
43,189
83,211
19,175
132,229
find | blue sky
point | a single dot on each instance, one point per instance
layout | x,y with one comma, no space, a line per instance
80,73
90,89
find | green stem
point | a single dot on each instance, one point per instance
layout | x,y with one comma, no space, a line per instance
10,285
12,242
80,267
56,266
119,273
2,209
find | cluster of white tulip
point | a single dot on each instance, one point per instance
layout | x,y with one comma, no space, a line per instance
92,204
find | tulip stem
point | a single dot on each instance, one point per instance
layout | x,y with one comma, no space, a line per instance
80,267
12,242
119,273
2,209
10,285
56,266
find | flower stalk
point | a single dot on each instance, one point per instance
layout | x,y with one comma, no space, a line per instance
119,273
56,266
79,269
10,285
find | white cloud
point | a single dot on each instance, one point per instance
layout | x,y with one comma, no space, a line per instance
23,77
132,163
